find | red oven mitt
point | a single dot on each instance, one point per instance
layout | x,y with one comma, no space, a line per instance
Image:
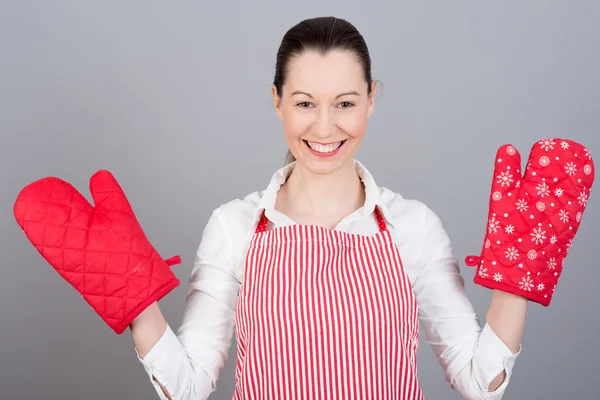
100,250
533,218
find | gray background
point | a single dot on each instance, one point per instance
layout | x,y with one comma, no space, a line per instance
174,99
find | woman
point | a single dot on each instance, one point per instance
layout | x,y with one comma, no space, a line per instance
324,275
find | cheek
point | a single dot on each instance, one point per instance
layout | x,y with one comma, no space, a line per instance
353,123
296,124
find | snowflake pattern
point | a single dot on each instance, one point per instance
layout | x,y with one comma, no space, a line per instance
564,216
543,189
532,254
550,200
522,205
570,168
569,243
493,225
526,283
537,235
547,144
505,178
512,254
582,199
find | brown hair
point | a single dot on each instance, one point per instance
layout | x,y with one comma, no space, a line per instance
322,34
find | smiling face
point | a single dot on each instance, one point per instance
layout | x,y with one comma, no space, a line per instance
324,106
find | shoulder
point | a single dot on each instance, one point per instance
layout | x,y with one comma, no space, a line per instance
406,213
238,216
232,224
239,213
418,232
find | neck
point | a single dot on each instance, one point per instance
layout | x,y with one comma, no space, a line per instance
333,195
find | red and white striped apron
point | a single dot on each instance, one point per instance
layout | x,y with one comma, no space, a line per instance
324,314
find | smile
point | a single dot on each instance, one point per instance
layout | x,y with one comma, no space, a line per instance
324,149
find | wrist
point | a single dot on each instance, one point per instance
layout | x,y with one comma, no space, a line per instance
148,315
509,297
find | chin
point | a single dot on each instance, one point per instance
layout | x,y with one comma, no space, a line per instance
325,166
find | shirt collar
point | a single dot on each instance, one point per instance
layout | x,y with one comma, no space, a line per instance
372,192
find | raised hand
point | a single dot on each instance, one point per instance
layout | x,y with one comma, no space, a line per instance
100,250
533,217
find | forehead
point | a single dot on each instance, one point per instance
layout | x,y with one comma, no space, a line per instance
334,71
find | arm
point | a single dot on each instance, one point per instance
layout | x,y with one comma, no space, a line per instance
506,317
477,361
147,330
186,364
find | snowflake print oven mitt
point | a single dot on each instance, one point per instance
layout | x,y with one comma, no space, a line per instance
101,250
533,217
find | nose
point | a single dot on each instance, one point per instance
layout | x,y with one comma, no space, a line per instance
324,124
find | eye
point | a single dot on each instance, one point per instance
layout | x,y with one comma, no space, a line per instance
303,104
346,104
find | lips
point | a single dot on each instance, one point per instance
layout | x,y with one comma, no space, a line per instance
324,148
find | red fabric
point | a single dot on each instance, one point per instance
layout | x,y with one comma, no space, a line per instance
325,314
100,250
533,218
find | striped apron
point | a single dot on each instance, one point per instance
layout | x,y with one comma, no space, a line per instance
324,314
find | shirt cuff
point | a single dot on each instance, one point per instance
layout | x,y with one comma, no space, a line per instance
492,356
159,359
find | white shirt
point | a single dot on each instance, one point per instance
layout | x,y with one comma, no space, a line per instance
188,362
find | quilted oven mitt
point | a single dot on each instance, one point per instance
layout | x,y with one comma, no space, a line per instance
100,250
533,218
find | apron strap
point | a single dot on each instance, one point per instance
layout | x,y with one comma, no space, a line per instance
262,223
380,219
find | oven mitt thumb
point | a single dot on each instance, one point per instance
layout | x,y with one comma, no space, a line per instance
100,249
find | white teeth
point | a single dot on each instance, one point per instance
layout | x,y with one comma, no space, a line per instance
328,148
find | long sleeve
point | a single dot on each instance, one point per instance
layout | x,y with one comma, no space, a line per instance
188,362
470,355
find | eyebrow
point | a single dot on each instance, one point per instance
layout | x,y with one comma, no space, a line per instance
339,95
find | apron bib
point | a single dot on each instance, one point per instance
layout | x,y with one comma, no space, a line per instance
324,314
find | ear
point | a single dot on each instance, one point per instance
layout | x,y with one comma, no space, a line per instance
276,102
372,97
